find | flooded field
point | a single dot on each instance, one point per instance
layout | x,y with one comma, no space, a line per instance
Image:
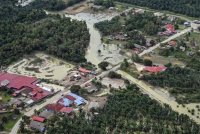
109,52
41,66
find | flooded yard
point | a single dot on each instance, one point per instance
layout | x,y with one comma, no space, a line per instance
41,66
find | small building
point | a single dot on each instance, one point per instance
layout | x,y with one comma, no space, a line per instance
170,28
140,11
38,118
83,70
54,107
37,126
172,43
158,14
46,114
65,102
66,110
155,69
79,100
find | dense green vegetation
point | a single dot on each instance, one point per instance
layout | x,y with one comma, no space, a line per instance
107,27
182,82
147,23
187,7
127,111
53,5
25,30
105,3
135,27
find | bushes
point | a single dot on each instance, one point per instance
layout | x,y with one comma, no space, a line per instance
115,75
103,65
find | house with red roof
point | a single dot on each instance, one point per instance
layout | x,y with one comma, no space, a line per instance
38,118
170,28
54,107
83,70
155,69
19,82
66,110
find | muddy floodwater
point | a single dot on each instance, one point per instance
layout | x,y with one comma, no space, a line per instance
41,65
109,52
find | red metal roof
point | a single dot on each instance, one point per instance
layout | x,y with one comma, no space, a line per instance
70,97
172,43
38,118
67,110
170,28
84,70
54,107
18,82
155,69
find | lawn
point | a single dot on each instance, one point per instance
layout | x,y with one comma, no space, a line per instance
5,97
11,122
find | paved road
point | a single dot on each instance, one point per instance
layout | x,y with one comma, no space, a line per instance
103,74
163,99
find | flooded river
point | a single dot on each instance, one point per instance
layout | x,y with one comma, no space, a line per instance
109,52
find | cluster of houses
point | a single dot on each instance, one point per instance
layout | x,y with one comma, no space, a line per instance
25,89
64,105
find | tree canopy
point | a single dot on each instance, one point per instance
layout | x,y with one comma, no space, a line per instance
24,30
186,7
126,111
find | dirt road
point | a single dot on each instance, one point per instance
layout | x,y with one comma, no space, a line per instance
154,94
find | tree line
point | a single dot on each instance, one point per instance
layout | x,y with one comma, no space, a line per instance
186,7
53,5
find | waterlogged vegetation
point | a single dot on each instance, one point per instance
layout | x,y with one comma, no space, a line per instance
127,111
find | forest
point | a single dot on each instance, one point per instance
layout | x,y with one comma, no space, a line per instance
186,7
53,5
105,3
182,82
126,111
25,30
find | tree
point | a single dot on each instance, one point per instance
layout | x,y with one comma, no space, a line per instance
115,75
4,119
136,58
75,89
147,62
103,65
